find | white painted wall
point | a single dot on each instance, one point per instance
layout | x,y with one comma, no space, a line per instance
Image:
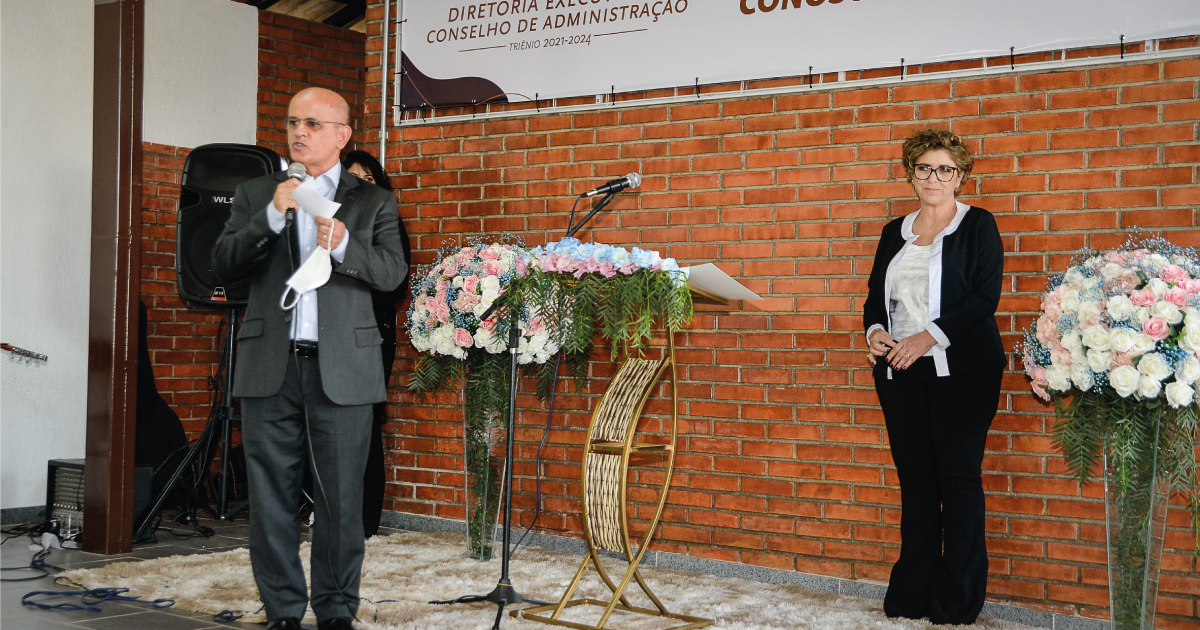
201,72
45,229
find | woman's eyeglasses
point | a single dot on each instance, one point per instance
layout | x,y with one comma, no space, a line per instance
312,124
942,173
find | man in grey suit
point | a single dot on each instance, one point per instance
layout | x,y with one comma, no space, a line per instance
308,376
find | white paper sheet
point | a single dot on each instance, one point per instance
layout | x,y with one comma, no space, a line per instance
313,202
709,278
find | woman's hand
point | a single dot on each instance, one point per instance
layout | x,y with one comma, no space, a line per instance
880,342
909,349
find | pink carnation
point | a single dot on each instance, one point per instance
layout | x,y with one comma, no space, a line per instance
522,268
1156,328
466,302
1045,329
1173,273
1122,358
443,286
607,269
471,284
1120,258
628,269
1143,297
462,338
1041,393
1176,295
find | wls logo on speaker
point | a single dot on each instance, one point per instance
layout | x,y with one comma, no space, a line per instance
218,294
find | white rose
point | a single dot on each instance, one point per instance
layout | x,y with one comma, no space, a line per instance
1087,309
1096,337
1121,339
1157,286
1179,395
1149,387
487,297
1155,262
1178,259
483,338
1143,343
1072,340
1191,316
1189,371
1124,380
1070,301
457,282
1154,366
1167,311
1140,315
1058,377
1099,360
489,283
1112,270
1074,277
1082,377
1120,307
1189,339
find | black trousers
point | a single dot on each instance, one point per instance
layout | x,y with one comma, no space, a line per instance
937,428
277,446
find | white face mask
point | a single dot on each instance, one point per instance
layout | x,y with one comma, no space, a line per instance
313,274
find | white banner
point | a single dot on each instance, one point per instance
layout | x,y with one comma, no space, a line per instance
459,52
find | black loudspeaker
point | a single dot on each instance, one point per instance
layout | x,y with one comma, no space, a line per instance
211,175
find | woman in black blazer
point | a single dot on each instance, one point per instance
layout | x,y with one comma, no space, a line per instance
937,357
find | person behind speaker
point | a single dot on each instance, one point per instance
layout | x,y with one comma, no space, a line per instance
935,347
365,167
308,376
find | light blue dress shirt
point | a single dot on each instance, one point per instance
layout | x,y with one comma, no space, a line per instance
304,319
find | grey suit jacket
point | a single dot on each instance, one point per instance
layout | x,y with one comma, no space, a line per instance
348,335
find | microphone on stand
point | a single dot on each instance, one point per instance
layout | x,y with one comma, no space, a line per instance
632,180
295,171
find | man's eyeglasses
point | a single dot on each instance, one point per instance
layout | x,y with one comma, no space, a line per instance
312,124
942,173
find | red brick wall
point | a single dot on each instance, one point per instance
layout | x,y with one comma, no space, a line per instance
784,460
293,54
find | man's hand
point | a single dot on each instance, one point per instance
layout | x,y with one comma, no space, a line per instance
330,232
283,196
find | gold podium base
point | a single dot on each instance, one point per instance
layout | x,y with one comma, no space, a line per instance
603,476
535,614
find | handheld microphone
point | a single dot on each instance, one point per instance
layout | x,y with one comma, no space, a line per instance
295,170
632,180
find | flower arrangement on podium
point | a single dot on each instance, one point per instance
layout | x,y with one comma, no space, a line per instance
1116,348
559,297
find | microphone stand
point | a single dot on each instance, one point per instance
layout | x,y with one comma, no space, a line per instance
572,229
504,594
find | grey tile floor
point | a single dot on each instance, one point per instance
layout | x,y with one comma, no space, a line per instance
113,615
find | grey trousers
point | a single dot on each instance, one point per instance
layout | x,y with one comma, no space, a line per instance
277,450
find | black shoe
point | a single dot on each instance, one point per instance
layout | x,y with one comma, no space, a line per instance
284,623
337,623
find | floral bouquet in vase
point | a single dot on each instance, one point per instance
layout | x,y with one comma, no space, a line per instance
1117,349
445,324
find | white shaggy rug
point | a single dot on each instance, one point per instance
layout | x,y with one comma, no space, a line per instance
404,571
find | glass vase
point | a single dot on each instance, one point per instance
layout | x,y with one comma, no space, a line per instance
1135,501
484,475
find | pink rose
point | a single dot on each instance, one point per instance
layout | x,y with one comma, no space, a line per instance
1139,254
489,254
449,270
1143,297
1156,328
471,284
1191,286
1045,329
489,324
1173,273
1121,358
1119,258
494,268
535,326
1177,296
462,338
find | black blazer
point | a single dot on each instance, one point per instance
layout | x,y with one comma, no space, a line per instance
350,358
972,264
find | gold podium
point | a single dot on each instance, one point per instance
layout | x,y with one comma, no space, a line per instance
610,444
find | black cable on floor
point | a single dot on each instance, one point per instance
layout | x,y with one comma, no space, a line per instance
545,432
